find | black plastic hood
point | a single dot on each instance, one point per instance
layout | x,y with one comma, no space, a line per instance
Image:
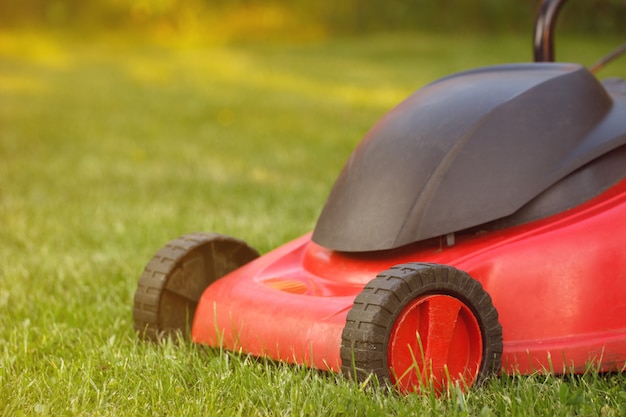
469,149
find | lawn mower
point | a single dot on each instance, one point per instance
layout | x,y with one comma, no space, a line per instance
479,227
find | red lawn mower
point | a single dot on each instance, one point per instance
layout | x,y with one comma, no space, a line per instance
479,227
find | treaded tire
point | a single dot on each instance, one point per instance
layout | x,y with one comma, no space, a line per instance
367,348
173,281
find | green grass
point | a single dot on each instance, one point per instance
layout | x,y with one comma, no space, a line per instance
110,147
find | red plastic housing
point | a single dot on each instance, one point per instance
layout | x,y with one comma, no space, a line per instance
559,285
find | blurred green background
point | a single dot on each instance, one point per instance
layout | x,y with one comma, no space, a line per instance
304,18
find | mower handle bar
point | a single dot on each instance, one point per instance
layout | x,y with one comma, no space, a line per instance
544,30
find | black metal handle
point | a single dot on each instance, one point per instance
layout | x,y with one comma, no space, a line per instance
544,29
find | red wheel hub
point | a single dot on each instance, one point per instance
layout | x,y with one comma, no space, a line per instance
435,340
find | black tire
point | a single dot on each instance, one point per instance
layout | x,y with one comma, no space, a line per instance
173,281
365,346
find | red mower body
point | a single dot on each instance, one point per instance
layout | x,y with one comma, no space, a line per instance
558,284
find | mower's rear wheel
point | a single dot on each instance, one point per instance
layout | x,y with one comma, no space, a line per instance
173,281
421,326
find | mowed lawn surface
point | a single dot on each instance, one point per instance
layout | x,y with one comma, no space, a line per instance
111,146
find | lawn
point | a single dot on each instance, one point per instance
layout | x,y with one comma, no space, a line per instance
110,146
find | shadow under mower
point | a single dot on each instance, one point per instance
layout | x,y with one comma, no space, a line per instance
479,227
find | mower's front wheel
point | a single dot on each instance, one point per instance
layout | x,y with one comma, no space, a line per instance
421,326
173,281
